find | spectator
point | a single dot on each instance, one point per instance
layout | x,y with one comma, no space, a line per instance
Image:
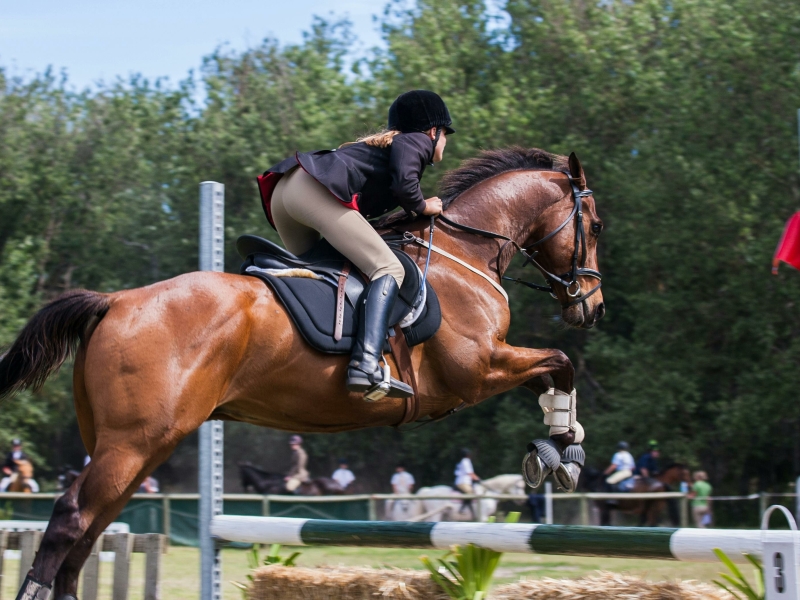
10,464
149,485
343,475
701,501
647,465
536,502
465,473
297,471
402,481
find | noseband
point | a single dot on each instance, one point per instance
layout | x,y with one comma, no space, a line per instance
569,279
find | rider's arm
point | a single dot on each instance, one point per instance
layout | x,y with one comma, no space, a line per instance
610,469
409,154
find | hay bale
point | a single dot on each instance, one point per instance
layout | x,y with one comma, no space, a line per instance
608,586
342,583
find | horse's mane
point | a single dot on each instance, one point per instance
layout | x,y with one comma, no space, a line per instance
487,164
495,162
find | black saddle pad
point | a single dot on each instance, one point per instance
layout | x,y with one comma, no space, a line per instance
307,286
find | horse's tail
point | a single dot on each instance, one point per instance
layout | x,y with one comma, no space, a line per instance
48,339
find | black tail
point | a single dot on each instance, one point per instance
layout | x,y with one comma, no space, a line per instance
48,340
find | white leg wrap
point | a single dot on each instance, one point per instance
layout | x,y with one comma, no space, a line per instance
560,413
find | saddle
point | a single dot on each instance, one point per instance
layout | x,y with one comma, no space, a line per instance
321,290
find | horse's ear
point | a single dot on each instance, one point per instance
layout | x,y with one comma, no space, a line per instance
576,170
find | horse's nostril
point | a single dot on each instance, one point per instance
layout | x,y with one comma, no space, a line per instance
600,311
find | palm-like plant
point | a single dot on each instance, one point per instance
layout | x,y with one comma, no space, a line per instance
469,576
737,580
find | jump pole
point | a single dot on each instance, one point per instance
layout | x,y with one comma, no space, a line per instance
210,486
683,544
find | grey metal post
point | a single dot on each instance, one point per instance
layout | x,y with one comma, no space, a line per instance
212,258
797,483
548,502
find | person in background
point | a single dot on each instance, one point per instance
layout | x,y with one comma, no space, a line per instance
620,472
465,478
297,471
343,475
149,486
465,472
402,481
701,501
647,465
10,464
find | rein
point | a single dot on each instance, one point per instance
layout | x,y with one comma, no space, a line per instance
568,279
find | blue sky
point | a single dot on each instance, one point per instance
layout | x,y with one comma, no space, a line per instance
102,39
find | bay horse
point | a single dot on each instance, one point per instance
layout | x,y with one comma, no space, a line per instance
152,364
648,511
22,479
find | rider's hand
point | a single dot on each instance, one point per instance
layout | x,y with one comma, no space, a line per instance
433,206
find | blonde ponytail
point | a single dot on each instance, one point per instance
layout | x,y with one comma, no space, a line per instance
382,139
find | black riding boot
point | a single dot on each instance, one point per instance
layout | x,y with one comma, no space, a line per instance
364,373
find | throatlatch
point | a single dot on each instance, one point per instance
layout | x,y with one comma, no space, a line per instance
545,456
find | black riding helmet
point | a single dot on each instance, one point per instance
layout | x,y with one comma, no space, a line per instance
419,110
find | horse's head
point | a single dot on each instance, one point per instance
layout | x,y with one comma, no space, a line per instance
24,468
565,237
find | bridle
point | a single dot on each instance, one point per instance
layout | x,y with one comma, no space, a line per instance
569,279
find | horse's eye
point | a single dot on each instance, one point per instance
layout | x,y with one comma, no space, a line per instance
597,228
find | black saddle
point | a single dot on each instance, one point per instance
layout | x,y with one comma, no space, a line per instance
307,286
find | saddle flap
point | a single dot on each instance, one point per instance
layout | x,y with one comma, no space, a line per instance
308,287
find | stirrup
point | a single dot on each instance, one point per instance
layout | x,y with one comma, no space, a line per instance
390,387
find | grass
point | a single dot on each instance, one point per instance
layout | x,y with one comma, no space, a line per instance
181,567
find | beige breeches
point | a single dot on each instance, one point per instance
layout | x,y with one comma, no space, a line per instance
303,209
465,488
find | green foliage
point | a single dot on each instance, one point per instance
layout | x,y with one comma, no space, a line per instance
738,582
683,114
273,557
469,576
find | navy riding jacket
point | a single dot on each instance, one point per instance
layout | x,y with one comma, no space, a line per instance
370,180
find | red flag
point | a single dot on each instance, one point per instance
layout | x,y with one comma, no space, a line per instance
789,247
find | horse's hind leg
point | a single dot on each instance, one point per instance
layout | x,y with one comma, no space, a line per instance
81,515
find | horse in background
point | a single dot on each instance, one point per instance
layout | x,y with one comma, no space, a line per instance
262,481
22,480
648,511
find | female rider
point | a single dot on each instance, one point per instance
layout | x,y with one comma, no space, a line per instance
334,192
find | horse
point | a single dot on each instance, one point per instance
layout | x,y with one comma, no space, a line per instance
434,510
154,363
263,482
22,480
648,511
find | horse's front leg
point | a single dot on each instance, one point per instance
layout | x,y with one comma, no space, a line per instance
561,454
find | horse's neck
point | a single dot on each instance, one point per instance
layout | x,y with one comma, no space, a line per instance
513,214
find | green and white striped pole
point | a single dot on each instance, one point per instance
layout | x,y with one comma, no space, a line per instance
693,545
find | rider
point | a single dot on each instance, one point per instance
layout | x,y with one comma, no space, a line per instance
334,193
647,465
297,471
10,464
620,471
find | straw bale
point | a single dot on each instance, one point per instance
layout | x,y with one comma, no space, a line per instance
342,583
608,586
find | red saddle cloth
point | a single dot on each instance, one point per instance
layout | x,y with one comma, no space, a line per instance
789,247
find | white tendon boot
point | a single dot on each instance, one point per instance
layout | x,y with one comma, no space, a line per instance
544,456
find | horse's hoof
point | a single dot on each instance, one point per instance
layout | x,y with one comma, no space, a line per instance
567,473
543,457
566,476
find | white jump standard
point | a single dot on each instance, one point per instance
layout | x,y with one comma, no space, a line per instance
692,545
